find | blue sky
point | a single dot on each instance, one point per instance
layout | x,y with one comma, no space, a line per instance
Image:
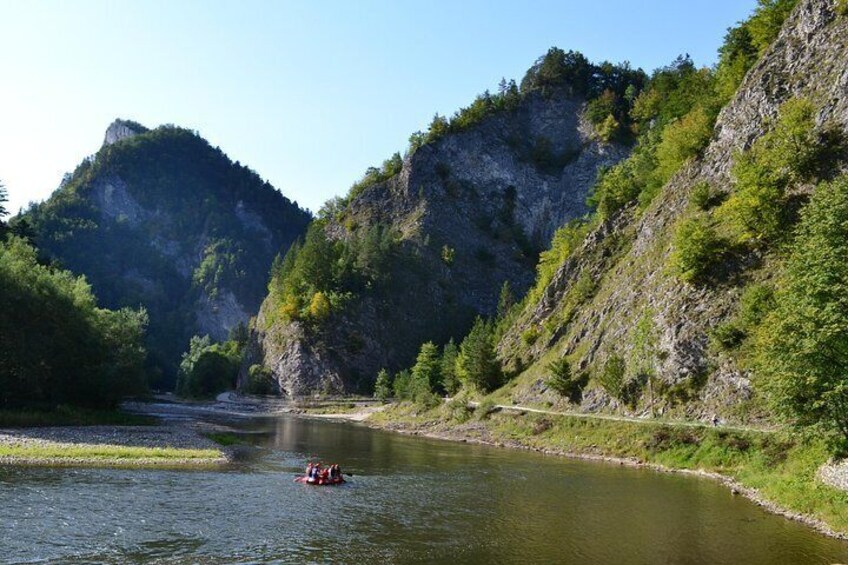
307,94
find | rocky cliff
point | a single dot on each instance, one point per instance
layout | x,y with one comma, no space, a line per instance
627,256
468,212
160,219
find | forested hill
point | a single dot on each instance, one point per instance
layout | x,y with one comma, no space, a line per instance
161,219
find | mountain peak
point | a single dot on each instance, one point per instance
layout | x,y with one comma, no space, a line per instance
122,129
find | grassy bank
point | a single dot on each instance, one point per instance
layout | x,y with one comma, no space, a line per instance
70,416
782,468
58,453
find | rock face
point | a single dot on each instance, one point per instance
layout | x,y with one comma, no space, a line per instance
122,129
628,255
160,219
471,209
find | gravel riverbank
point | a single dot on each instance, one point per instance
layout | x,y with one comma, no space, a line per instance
172,444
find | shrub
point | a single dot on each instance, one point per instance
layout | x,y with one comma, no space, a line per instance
383,386
612,377
530,335
682,140
458,411
563,382
727,336
260,381
702,196
448,255
485,408
696,249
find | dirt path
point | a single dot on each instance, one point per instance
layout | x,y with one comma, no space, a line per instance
630,419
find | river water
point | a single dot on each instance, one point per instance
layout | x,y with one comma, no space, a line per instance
411,500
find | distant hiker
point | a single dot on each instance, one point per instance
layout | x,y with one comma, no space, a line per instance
715,420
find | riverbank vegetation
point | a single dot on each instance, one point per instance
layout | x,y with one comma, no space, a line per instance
58,347
58,454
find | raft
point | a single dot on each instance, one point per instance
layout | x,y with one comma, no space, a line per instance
320,482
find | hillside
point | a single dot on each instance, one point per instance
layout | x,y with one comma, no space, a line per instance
161,219
424,244
677,316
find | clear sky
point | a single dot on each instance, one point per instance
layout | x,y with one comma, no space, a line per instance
308,94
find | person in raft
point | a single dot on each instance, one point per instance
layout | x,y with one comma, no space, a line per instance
316,473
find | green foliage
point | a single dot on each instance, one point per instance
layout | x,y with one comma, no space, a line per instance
756,302
450,380
682,140
448,255
4,198
793,151
260,381
208,369
374,175
645,352
696,249
316,277
530,335
402,386
506,300
565,241
383,386
802,344
613,376
563,382
767,20
427,371
56,345
842,7
702,196
477,366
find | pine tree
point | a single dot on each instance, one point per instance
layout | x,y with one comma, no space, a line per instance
477,366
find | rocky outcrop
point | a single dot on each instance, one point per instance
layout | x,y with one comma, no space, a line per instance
471,209
122,129
809,59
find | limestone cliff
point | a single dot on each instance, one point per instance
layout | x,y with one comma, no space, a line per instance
470,210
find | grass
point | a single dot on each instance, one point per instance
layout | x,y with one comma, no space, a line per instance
70,416
104,452
781,466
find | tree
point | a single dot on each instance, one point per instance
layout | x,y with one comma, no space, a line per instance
56,345
450,381
383,385
613,375
506,300
802,345
476,365
4,198
563,382
426,373
643,357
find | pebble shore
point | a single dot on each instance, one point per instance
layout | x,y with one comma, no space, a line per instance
175,436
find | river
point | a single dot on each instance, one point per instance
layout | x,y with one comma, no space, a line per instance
410,500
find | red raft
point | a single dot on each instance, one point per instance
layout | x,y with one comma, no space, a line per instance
320,482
